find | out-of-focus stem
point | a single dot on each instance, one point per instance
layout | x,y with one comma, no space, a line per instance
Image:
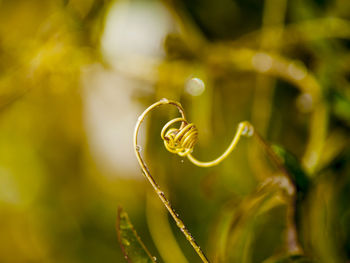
298,33
274,65
273,15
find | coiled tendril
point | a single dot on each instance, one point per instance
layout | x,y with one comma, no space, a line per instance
181,141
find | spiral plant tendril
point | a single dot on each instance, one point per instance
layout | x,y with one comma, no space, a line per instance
181,141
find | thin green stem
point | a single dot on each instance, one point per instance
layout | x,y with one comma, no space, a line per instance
155,186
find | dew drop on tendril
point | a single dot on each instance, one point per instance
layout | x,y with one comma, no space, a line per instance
138,148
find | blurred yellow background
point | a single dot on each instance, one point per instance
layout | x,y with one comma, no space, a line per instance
74,77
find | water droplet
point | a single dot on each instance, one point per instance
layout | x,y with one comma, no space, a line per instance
245,130
250,131
181,225
182,161
297,71
195,86
304,102
125,242
262,62
138,148
154,258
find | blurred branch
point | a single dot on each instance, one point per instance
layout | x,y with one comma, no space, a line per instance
293,34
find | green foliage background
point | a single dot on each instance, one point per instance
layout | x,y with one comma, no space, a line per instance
282,65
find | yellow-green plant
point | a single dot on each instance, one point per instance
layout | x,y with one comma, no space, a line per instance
181,141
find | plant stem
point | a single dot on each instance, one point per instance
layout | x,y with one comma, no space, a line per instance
155,186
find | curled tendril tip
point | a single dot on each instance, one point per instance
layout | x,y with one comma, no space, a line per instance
181,141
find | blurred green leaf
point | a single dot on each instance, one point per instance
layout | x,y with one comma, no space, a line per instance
293,166
133,248
341,107
257,227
